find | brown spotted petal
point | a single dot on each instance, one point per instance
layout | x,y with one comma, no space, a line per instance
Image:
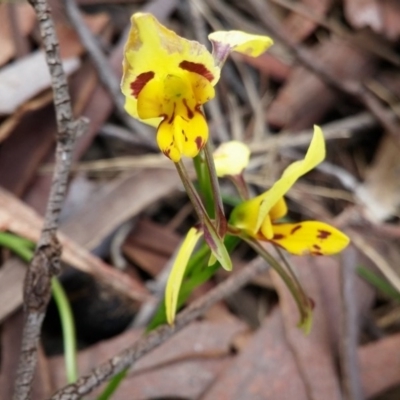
309,237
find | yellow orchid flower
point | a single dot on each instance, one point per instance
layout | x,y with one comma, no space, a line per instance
231,158
258,217
166,79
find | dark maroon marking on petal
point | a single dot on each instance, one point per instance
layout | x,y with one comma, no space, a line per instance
197,68
323,234
199,142
316,247
316,253
138,84
190,113
184,135
166,152
278,236
171,120
294,229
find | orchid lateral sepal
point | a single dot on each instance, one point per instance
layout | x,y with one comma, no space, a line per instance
177,273
211,236
304,304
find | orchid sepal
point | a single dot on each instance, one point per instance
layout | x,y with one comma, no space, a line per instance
177,273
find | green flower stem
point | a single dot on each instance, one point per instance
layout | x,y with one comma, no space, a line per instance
203,179
24,249
218,206
302,303
191,191
292,273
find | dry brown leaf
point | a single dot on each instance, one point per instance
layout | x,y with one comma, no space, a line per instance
363,13
27,77
305,99
70,44
120,200
10,344
26,21
391,18
269,65
264,369
382,185
32,140
12,274
150,245
380,365
183,367
21,220
316,353
382,16
299,27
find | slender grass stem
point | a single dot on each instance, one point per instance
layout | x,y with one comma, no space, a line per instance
23,248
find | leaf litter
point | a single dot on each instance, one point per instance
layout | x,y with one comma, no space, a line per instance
130,206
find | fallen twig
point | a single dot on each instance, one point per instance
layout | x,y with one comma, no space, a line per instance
127,357
46,260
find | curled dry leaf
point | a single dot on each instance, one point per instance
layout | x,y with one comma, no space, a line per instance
21,220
